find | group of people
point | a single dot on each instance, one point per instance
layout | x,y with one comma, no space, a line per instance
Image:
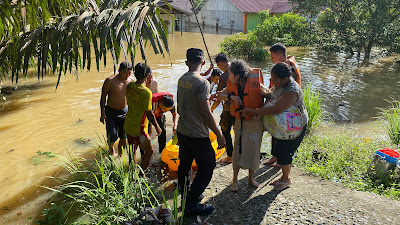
129,108
244,95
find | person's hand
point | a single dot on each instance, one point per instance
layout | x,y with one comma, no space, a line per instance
174,129
221,141
257,117
213,97
103,119
158,129
246,112
212,66
237,100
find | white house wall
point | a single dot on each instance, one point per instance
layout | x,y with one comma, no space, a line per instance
221,11
171,22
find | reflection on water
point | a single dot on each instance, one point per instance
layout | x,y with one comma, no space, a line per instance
38,118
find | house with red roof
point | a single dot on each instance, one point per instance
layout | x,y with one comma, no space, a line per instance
238,15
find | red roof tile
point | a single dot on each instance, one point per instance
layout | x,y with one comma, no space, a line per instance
253,6
281,7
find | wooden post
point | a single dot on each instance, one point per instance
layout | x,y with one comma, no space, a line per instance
181,24
245,23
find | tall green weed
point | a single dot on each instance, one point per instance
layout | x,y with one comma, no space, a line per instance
392,126
107,191
316,113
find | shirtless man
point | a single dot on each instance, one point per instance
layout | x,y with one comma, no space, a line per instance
151,83
113,114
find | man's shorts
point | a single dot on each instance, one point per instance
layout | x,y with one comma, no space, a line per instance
115,123
138,139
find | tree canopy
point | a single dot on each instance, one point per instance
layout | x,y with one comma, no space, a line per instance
358,25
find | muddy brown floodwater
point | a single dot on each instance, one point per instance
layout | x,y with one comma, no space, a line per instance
36,119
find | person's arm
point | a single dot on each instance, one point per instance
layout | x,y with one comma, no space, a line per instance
208,71
173,112
205,112
149,112
223,95
153,121
285,101
104,92
155,86
174,120
265,91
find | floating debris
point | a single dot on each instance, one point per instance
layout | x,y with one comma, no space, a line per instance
82,141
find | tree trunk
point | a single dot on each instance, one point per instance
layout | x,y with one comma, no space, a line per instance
349,49
368,50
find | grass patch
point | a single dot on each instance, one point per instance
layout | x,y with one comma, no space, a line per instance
347,159
105,191
392,126
316,113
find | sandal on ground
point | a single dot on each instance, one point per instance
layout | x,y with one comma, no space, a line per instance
274,181
276,165
279,186
226,160
269,161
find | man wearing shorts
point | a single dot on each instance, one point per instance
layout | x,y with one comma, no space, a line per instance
140,112
195,118
113,114
227,120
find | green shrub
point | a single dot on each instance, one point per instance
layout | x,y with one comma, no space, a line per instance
392,117
316,113
289,29
244,46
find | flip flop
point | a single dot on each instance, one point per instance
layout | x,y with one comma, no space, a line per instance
225,160
275,164
279,186
274,181
269,162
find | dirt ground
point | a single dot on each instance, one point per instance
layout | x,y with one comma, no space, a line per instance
309,200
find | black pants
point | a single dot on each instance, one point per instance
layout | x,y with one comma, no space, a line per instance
199,149
226,123
162,139
284,150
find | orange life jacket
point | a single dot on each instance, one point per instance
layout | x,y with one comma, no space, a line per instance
156,98
291,61
251,96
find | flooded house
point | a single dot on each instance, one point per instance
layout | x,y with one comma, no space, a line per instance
237,15
180,10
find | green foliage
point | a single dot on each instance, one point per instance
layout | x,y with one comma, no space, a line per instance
63,40
39,159
54,215
289,29
316,113
347,159
196,3
107,190
392,126
356,25
245,46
